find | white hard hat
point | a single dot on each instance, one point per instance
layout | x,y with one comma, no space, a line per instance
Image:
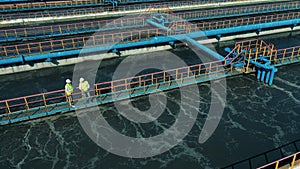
68,81
81,79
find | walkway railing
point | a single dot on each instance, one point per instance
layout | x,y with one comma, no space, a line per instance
88,41
289,162
283,152
239,11
60,4
167,76
47,5
110,91
93,11
84,27
253,49
45,104
248,21
69,29
107,39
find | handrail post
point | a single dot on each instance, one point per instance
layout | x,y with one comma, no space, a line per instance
44,99
284,53
275,57
152,78
62,44
140,81
25,32
271,52
17,50
126,85
96,87
26,103
277,164
7,106
60,31
264,53
112,86
293,162
41,50
292,57
249,57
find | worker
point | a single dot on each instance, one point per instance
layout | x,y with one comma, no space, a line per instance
69,91
84,87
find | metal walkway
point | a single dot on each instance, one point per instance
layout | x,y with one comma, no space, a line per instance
39,51
28,33
8,20
272,159
236,62
19,7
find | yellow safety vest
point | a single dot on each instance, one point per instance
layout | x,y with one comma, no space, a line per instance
69,89
84,86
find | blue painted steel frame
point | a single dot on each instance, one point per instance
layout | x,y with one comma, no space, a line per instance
154,41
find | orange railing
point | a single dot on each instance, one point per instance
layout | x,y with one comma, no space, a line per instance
100,90
87,41
88,11
289,162
281,55
71,28
49,4
110,24
252,49
248,21
256,47
111,38
238,10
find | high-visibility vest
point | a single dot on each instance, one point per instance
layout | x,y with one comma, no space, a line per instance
84,86
69,89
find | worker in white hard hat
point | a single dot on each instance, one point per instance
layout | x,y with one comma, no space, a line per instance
84,87
69,91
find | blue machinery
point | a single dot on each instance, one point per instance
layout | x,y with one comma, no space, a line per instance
265,72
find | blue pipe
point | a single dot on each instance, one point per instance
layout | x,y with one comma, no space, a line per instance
204,48
160,26
11,61
164,39
253,27
272,75
258,74
263,75
268,77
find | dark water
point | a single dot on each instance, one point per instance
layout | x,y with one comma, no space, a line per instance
257,118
